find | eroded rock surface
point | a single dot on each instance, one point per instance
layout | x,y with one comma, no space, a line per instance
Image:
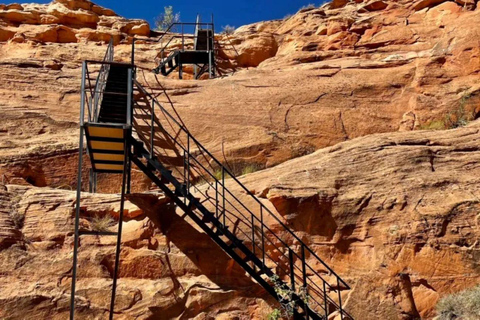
168,269
395,214
320,77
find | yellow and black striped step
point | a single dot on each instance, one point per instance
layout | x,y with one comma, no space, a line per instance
106,146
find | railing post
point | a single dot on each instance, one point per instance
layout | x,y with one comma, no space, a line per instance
129,97
325,299
339,299
304,267
263,235
133,51
253,238
292,269
188,163
184,173
223,194
152,128
216,198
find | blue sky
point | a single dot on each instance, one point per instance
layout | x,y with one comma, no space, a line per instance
234,13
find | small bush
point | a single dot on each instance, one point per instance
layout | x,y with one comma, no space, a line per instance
251,168
274,315
218,174
101,223
434,125
461,305
228,30
167,18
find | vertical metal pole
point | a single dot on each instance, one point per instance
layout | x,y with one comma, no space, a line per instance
325,299
223,194
188,163
304,280
292,269
184,174
129,97
180,66
216,198
119,234
304,267
253,239
79,189
263,235
213,49
152,132
340,298
133,52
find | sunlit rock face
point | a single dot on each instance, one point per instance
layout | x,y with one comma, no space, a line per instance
392,209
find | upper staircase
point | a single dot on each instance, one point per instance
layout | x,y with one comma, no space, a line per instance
126,122
200,53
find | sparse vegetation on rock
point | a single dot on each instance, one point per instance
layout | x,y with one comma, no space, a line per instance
460,305
166,19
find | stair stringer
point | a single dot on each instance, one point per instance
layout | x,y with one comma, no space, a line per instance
195,203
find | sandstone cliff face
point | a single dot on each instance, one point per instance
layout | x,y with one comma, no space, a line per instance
320,77
168,269
393,213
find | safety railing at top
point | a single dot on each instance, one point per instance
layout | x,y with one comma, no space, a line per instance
268,238
182,30
93,92
94,83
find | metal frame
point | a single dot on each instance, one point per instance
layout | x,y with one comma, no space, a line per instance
263,252
174,56
295,259
91,99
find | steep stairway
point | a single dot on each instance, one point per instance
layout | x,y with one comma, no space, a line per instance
131,125
209,194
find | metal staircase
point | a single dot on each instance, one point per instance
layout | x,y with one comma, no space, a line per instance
200,53
203,189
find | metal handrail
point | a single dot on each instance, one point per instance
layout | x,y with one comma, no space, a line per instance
183,36
307,281
185,130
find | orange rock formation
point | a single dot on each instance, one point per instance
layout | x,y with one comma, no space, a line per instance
343,90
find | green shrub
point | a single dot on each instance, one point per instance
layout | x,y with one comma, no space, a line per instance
251,168
461,305
434,125
274,315
459,117
167,18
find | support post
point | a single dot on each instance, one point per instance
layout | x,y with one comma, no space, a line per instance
79,190
133,51
253,240
223,195
129,97
292,268
263,235
119,234
340,298
180,66
325,299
